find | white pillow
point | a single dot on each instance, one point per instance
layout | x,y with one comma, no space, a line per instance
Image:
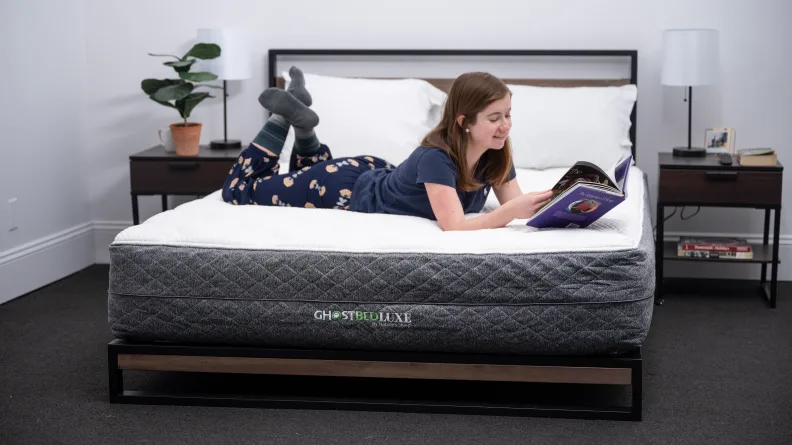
386,118
556,127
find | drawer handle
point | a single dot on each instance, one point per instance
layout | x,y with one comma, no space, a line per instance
721,176
183,166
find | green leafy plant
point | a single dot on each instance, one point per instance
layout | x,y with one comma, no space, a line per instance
180,93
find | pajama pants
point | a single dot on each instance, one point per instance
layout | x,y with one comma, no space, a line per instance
316,181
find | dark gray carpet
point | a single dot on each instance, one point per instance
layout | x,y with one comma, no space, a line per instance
718,370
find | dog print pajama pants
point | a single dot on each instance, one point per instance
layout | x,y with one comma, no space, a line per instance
316,181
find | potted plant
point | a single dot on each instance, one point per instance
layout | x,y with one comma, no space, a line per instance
180,94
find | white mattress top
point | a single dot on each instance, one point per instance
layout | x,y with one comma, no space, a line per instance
210,222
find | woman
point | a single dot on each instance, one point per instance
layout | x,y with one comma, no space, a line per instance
449,175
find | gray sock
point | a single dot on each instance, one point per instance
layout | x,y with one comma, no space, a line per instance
282,102
297,86
305,141
273,135
280,120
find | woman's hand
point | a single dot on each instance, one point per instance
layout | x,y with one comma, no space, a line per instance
450,215
527,204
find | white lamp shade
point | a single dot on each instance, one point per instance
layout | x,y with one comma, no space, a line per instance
234,62
691,57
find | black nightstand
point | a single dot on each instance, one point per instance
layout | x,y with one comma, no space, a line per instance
158,172
705,182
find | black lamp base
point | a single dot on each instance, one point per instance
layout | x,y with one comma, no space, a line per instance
225,144
689,152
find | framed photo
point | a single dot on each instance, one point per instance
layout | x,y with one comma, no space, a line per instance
719,140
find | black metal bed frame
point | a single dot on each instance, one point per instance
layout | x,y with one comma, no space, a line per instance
120,351
123,355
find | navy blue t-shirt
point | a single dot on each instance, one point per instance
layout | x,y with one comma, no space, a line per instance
401,191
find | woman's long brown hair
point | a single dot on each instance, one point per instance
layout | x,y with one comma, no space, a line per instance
470,94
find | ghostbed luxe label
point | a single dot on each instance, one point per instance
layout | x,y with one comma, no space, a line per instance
372,318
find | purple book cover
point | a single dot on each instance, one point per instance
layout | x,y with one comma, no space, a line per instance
620,173
579,203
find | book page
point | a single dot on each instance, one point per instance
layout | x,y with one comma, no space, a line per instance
583,172
580,185
621,170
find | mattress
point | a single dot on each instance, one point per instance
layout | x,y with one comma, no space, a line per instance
211,273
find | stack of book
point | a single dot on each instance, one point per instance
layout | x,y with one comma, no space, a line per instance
758,157
725,248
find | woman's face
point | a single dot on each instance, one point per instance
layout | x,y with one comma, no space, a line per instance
492,125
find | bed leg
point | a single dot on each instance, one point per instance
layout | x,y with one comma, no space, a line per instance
636,409
115,375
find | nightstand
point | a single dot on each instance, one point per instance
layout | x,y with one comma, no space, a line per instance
158,172
705,182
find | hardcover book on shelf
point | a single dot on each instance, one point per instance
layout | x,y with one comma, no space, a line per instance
714,247
716,254
583,195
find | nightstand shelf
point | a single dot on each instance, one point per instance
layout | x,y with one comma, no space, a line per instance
761,254
704,182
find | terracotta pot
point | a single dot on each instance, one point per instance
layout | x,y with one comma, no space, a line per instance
186,138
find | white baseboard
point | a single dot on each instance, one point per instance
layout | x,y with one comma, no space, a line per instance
103,234
43,261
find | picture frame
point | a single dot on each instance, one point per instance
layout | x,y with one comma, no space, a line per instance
719,140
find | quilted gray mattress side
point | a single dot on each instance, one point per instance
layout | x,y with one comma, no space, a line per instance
544,303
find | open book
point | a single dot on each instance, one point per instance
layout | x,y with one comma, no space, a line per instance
583,195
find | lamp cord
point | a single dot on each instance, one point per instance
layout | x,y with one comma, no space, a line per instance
665,218
682,213
681,216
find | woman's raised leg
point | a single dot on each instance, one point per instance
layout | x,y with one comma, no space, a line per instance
260,159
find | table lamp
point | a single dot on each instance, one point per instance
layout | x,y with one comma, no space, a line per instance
233,64
690,58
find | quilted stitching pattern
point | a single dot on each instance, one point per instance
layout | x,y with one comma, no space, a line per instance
570,303
538,329
402,278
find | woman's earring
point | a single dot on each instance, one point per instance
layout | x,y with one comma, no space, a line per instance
467,130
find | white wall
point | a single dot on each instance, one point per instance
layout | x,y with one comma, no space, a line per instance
41,161
104,44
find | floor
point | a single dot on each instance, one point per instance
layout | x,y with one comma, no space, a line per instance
717,370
